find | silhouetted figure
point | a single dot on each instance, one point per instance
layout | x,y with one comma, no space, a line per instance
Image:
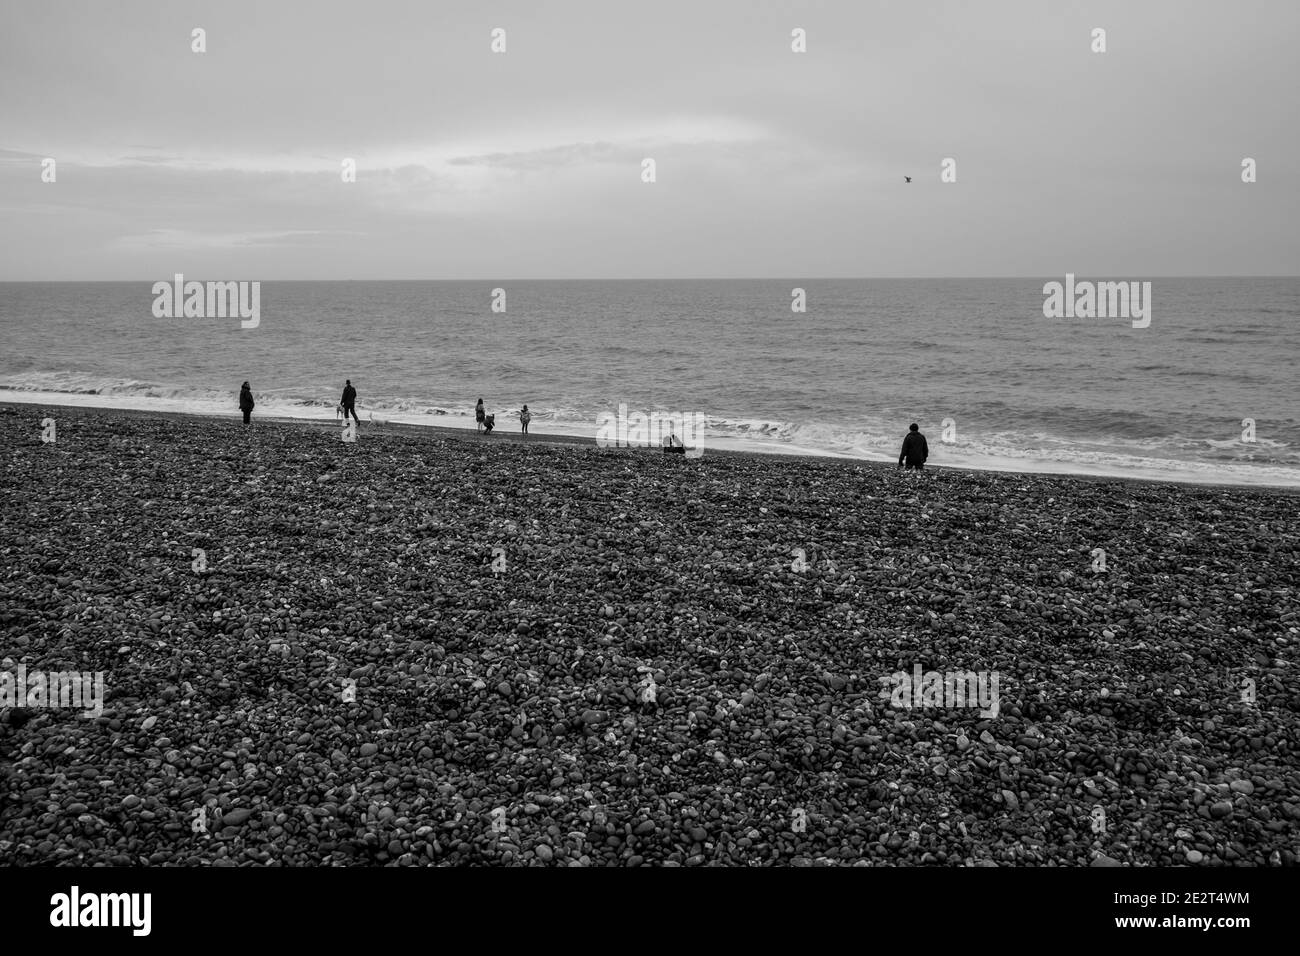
525,416
489,423
672,444
479,413
908,178
246,402
915,450
349,402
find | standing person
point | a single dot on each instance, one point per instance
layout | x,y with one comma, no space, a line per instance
914,450
524,418
479,414
246,402
349,402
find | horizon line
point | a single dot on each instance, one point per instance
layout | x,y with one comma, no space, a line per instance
153,279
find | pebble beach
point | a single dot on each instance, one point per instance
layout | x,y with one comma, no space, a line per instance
428,648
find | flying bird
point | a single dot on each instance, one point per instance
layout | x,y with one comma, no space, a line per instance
908,178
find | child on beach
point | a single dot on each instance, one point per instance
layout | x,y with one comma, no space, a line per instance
246,402
915,451
478,414
524,418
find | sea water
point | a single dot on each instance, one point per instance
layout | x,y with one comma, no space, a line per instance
991,381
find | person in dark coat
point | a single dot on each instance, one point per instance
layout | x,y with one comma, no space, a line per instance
246,402
915,450
349,402
479,413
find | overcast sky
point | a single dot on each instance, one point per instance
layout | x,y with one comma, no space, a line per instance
527,164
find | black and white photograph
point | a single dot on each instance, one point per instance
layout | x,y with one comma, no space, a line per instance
760,434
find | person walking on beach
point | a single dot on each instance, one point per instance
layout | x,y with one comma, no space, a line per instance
479,415
915,451
246,402
524,418
349,402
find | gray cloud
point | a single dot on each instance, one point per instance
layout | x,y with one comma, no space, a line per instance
532,160
770,163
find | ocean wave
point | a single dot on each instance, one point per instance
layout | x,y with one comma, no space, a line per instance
1039,444
76,383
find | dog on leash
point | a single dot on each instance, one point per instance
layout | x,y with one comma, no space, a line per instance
489,423
372,418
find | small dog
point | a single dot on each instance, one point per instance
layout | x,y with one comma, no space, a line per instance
489,423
